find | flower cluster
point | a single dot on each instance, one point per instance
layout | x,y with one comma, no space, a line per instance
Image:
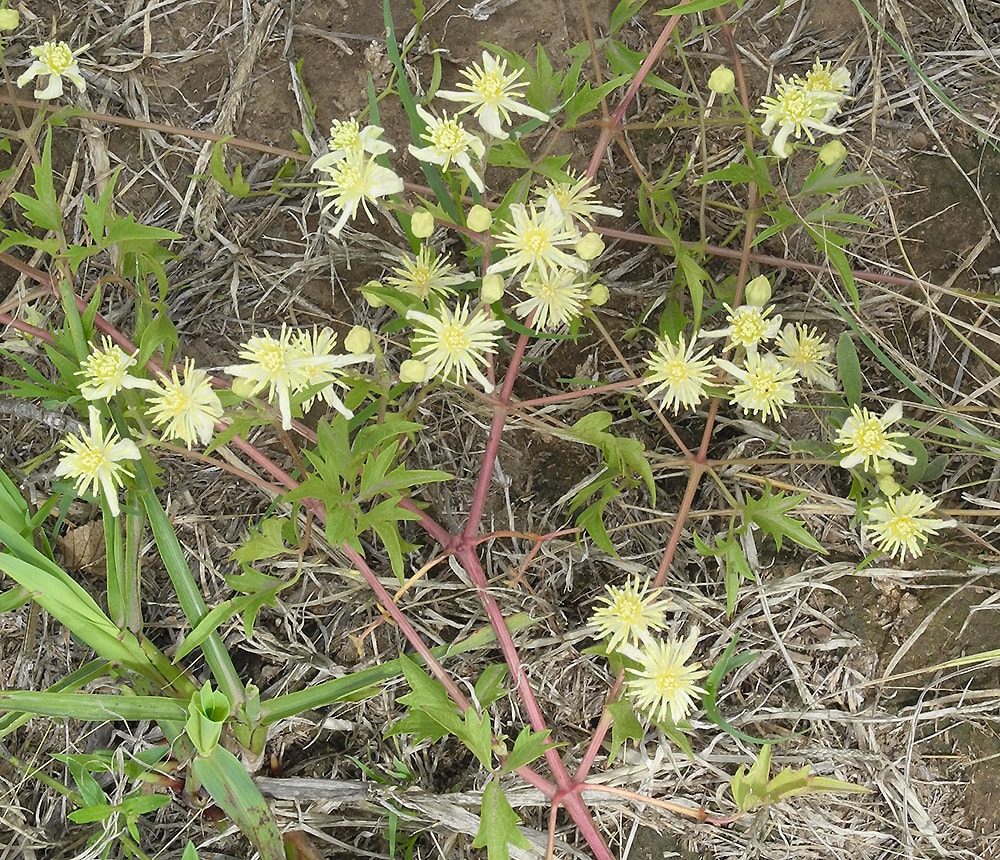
661,681
296,368
804,105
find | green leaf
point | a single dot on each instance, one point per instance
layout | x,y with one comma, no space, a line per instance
770,514
498,825
734,564
236,186
529,746
266,542
92,706
432,714
588,98
624,726
477,735
849,369
490,685
230,786
42,210
693,7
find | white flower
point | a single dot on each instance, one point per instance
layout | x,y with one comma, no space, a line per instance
347,138
536,240
449,142
808,353
355,181
555,298
664,685
680,373
426,275
492,94
864,439
274,364
95,460
823,79
797,110
630,615
765,385
453,342
105,372
901,525
57,61
186,410
321,366
749,327
577,199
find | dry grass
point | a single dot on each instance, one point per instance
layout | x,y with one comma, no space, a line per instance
827,638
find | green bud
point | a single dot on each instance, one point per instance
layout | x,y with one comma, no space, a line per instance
590,247
243,387
758,292
493,288
599,294
480,219
413,371
9,19
373,300
422,224
887,484
722,81
832,153
358,340
207,714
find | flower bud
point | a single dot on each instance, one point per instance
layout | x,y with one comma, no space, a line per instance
370,297
758,292
493,288
832,153
358,340
413,370
243,387
9,19
422,224
599,294
590,247
480,219
887,484
722,81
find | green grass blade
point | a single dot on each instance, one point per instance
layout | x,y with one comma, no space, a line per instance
92,706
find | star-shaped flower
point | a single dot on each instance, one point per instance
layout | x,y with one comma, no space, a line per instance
765,385
749,327
665,684
105,372
901,525
555,298
95,460
797,110
57,61
426,275
492,94
356,180
630,615
807,351
577,199
186,410
679,373
536,240
865,439
448,142
454,342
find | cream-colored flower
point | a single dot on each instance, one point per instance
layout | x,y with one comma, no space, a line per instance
354,181
105,372
492,94
665,684
95,460
348,139
797,110
748,326
454,344
186,410
56,61
679,373
536,240
630,615
765,386
448,142
902,525
865,440
320,366
823,78
275,364
426,275
808,353
577,200
555,297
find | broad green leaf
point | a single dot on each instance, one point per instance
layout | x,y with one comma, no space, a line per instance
229,785
498,825
92,706
477,735
490,686
849,369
